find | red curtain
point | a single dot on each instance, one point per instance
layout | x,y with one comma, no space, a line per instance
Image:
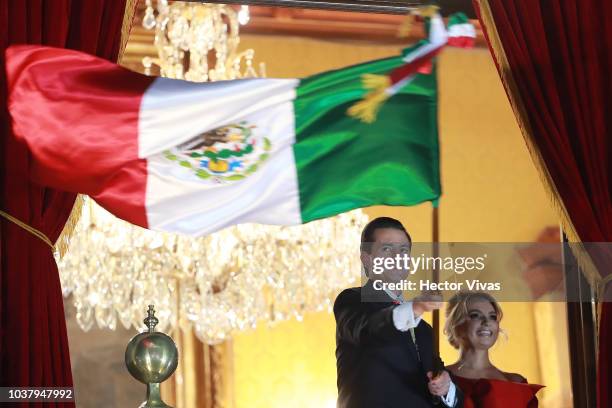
33,341
558,55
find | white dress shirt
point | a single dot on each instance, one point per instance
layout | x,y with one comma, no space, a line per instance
404,320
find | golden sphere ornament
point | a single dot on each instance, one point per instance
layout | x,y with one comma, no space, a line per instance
151,357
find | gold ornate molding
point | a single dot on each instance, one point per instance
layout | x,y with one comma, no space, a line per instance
297,22
204,377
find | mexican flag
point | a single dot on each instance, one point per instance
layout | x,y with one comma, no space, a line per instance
193,158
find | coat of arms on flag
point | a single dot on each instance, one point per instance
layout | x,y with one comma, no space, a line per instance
224,154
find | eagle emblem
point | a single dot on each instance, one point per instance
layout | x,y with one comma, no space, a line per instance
224,154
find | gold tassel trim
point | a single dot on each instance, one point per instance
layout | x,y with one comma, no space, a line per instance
423,11
63,242
126,27
607,279
427,11
603,285
582,257
61,245
367,109
30,229
406,27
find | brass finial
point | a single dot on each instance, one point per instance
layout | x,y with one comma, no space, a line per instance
151,321
151,357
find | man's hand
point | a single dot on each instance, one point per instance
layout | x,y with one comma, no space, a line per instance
426,302
439,385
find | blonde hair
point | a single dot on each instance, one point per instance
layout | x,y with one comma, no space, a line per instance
457,314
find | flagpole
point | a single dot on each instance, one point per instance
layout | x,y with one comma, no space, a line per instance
435,321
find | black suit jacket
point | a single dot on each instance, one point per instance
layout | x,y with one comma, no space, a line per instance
378,365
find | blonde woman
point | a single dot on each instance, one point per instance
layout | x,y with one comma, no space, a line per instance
472,327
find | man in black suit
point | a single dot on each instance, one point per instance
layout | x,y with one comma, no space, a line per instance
384,349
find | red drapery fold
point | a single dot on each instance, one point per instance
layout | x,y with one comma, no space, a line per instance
555,59
33,340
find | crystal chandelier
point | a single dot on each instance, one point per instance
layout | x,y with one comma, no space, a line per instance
198,42
225,282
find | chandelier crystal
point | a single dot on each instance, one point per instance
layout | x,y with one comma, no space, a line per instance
218,284
198,41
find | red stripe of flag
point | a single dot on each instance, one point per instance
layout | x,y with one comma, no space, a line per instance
85,136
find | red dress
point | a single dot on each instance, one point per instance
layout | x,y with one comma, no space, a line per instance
491,393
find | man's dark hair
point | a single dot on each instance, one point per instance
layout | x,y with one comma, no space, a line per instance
367,235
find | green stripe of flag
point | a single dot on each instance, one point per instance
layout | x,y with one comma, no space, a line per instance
343,163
